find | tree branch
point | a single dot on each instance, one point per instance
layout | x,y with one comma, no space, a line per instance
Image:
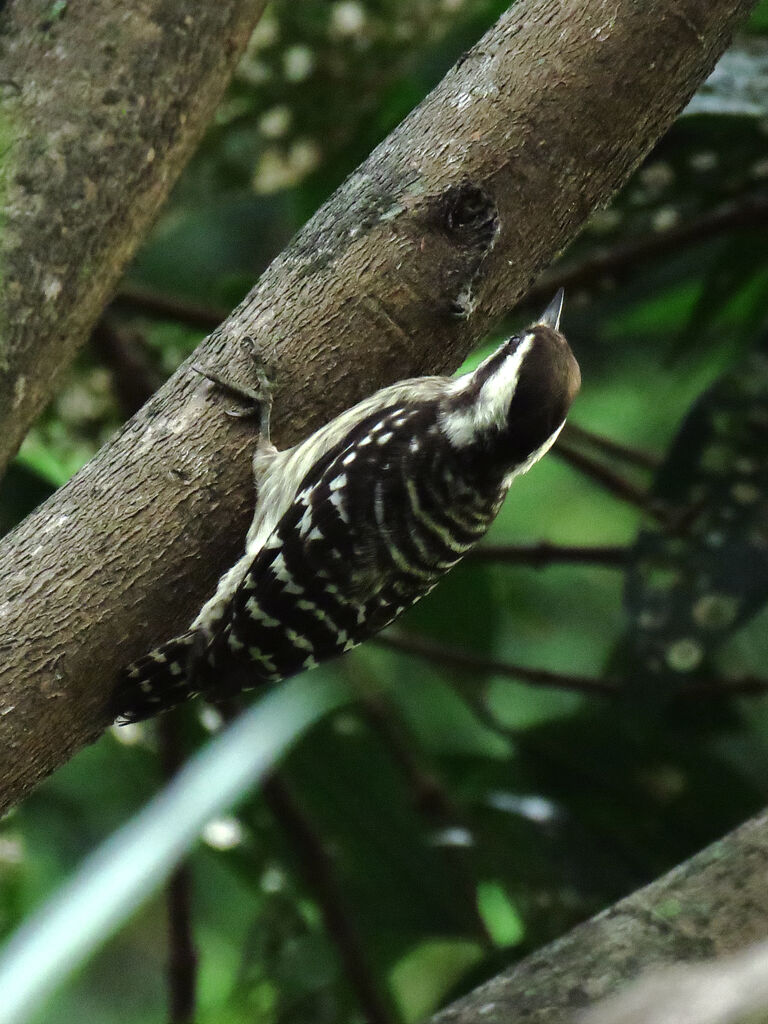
728,990
538,124
182,953
612,482
745,213
453,657
617,261
429,797
319,874
614,449
468,661
123,352
147,302
100,108
542,554
711,905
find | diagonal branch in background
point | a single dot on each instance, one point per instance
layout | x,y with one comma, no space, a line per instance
428,795
147,302
539,123
182,952
607,446
453,657
319,873
469,661
123,352
712,905
611,481
616,261
317,868
100,108
541,554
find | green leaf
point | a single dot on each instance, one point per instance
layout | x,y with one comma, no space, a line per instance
689,589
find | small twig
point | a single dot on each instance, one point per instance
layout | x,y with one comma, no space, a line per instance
750,211
476,698
146,302
319,874
455,658
318,870
134,378
182,963
182,956
616,485
745,686
452,657
634,456
430,798
542,554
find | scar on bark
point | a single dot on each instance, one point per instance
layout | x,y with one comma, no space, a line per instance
467,216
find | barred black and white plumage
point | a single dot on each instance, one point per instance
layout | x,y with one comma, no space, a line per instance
359,521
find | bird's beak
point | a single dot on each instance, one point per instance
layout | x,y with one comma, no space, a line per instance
551,315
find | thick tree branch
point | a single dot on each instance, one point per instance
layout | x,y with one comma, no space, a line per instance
101,105
710,906
537,125
728,990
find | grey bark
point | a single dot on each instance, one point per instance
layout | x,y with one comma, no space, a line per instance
538,124
101,104
728,990
710,906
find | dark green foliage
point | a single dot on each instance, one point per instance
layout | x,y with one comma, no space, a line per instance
21,490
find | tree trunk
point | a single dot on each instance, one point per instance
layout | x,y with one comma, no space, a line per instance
536,126
101,104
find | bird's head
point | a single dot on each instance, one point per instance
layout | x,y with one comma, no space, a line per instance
513,406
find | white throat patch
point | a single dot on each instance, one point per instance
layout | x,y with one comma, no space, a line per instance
534,457
491,408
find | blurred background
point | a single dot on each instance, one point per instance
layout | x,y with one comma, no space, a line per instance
574,710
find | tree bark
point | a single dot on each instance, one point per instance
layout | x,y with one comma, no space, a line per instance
536,126
710,906
101,105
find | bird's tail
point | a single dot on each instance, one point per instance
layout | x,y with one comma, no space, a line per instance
160,680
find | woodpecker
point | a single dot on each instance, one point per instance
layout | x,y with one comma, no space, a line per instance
360,520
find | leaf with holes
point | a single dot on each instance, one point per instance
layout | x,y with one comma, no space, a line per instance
692,585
